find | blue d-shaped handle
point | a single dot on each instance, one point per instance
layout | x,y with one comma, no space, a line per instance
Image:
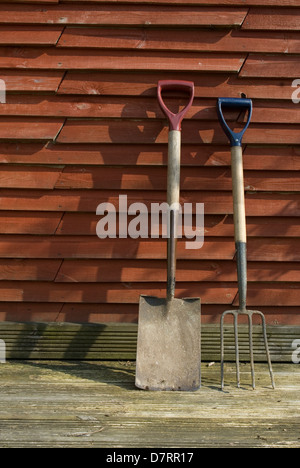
234,103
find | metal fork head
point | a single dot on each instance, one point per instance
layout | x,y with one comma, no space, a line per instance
249,314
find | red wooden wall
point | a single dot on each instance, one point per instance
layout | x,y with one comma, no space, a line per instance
81,125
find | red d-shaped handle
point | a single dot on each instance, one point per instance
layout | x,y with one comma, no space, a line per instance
170,85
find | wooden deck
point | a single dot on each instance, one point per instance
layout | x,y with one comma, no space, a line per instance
95,404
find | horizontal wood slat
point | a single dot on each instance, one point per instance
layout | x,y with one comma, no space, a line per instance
208,178
103,14
257,204
29,270
29,177
19,291
283,158
37,223
147,131
138,108
103,107
93,59
259,249
58,312
28,35
102,271
273,19
29,223
31,81
133,132
207,85
31,1
184,40
277,3
86,247
214,225
93,313
272,66
272,157
263,294
21,128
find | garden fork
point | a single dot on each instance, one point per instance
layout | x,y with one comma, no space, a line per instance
240,240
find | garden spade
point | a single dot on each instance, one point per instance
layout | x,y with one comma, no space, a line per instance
169,329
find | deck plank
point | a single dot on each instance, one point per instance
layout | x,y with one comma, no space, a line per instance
95,404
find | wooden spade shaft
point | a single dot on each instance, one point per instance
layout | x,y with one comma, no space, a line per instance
173,199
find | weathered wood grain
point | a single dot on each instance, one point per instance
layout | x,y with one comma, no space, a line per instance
86,247
29,177
184,40
208,178
265,111
31,1
271,66
275,112
93,59
29,223
20,291
29,311
28,270
102,271
277,3
29,35
21,128
131,155
89,341
105,107
96,405
92,313
208,85
275,250
31,81
273,158
272,294
257,204
259,249
103,14
214,225
147,131
273,19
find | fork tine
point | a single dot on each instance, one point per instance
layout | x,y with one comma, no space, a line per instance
222,350
235,314
237,354
264,328
251,349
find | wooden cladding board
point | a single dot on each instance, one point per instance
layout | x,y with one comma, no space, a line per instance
185,40
273,19
80,125
119,14
208,85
